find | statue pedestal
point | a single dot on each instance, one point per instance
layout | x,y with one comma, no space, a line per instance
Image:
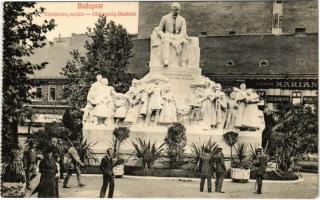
181,79
103,136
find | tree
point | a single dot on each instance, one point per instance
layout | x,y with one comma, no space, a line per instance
175,141
108,52
231,138
295,135
21,37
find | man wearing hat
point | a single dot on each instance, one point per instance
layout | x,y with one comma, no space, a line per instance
106,167
206,169
220,169
260,166
30,163
173,31
73,164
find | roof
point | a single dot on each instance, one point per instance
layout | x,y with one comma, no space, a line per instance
285,54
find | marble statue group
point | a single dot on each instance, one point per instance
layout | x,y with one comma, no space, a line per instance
151,101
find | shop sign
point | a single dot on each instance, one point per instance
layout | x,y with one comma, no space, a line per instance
307,84
277,99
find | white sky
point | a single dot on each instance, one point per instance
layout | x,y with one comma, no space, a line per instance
78,24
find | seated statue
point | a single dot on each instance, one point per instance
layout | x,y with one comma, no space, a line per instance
175,47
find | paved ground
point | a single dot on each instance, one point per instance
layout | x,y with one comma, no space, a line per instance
132,187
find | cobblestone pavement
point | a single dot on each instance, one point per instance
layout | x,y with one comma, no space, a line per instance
132,187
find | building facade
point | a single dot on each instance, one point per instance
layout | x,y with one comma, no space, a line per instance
272,46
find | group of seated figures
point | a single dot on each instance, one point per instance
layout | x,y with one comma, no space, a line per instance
149,102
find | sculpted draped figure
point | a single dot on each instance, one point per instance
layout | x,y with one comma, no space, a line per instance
104,108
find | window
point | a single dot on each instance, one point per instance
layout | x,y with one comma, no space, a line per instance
275,21
310,100
52,94
232,33
280,21
38,95
230,63
203,33
296,97
263,63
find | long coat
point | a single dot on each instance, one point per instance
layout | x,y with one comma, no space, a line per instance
219,163
47,186
205,165
106,166
260,164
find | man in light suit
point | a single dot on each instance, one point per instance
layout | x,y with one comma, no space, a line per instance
173,31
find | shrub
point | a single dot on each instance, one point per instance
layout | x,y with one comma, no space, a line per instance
147,153
231,138
175,142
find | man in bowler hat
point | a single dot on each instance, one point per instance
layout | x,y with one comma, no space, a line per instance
260,166
206,169
220,169
106,166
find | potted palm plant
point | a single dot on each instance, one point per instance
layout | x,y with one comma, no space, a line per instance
120,134
13,175
240,167
147,153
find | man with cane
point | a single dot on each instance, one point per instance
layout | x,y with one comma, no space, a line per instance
260,166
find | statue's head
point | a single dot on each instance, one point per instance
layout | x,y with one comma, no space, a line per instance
104,81
243,86
218,86
175,8
233,95
99,77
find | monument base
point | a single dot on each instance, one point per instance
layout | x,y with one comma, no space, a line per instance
103,136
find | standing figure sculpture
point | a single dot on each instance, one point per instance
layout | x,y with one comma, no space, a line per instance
232,109
220,105
155,102
169,109
134,99
173,31
104,108
241,96
206,104
121,104
92,101
251,119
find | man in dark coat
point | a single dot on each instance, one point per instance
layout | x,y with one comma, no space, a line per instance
206,169
260,167
220,169
106,166
30,163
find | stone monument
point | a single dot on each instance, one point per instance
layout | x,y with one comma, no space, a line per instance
173,91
